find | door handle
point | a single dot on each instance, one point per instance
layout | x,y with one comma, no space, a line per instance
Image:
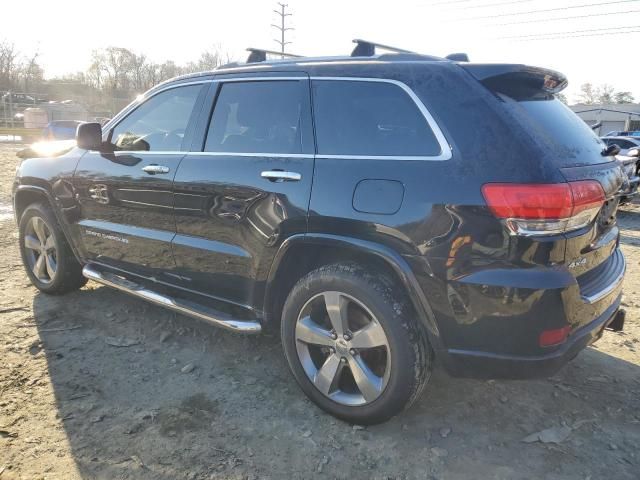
153,169
281,176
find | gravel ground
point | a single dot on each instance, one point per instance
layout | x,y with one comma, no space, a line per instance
96,384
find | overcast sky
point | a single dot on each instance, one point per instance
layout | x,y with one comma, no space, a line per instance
66,31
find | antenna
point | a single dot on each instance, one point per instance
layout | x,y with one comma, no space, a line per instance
282,27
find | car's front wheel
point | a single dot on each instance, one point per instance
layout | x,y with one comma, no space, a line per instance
353,343
46,254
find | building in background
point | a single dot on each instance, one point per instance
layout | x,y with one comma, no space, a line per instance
614,117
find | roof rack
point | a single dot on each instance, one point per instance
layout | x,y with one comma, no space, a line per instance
365,48
260,54
458,57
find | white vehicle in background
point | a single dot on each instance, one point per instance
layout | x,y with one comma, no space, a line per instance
625,143
629,159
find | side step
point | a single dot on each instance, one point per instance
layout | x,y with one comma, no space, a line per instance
187,308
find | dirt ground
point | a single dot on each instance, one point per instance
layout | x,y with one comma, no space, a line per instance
181,400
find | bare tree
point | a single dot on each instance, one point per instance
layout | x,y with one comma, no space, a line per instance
33,74
604,93
138,72
587,94
8,65
623,97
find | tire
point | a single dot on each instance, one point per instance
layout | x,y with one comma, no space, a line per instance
61,272
397,365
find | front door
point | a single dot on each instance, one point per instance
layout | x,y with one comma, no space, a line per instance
126,204
246,188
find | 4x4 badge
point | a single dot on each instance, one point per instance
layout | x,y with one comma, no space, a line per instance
99,193
578,262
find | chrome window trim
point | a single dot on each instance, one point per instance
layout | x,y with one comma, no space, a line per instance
144,152
253,154
445,148
212,154
259,79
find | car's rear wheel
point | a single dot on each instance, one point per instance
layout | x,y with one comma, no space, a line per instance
353,344
46,254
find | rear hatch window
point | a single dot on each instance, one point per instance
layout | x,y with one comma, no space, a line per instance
528,93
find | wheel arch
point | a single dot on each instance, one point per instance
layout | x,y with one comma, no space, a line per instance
26,195
292,262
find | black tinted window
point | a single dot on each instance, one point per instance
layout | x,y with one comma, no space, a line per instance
257,117
623,143
552,122
159,123
369,118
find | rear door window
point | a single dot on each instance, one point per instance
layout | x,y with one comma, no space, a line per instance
369,118
259,117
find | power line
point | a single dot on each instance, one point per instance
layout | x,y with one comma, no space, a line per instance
538,20
577,36
557,9
498,4
533,35
449,3
282,28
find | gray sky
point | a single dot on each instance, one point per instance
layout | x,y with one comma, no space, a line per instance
65,31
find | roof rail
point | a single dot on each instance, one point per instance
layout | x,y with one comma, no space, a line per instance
260,54
365,48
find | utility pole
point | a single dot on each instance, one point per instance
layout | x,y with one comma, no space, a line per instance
282,27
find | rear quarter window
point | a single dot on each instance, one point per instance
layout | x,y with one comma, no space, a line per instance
369,118
551,122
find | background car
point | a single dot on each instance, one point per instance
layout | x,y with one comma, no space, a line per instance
61,130
625,143
635,133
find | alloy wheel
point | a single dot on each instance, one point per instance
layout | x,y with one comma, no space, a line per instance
343,348
41,250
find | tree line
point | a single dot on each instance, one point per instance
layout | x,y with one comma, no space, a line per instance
602,94
113,77
116,74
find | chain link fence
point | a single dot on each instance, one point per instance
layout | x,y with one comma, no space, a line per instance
25,115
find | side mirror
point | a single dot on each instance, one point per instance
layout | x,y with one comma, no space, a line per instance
610,151
89,136
634,152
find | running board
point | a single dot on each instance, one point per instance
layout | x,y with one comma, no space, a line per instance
187,308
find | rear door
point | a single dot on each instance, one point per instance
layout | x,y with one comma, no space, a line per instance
126,203
245,186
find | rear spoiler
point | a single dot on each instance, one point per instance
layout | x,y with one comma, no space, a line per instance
517,81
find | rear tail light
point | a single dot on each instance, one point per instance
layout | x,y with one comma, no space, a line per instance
544,209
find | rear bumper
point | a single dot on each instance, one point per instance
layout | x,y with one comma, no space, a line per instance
464,363
494,320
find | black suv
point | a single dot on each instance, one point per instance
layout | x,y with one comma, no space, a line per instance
382,210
